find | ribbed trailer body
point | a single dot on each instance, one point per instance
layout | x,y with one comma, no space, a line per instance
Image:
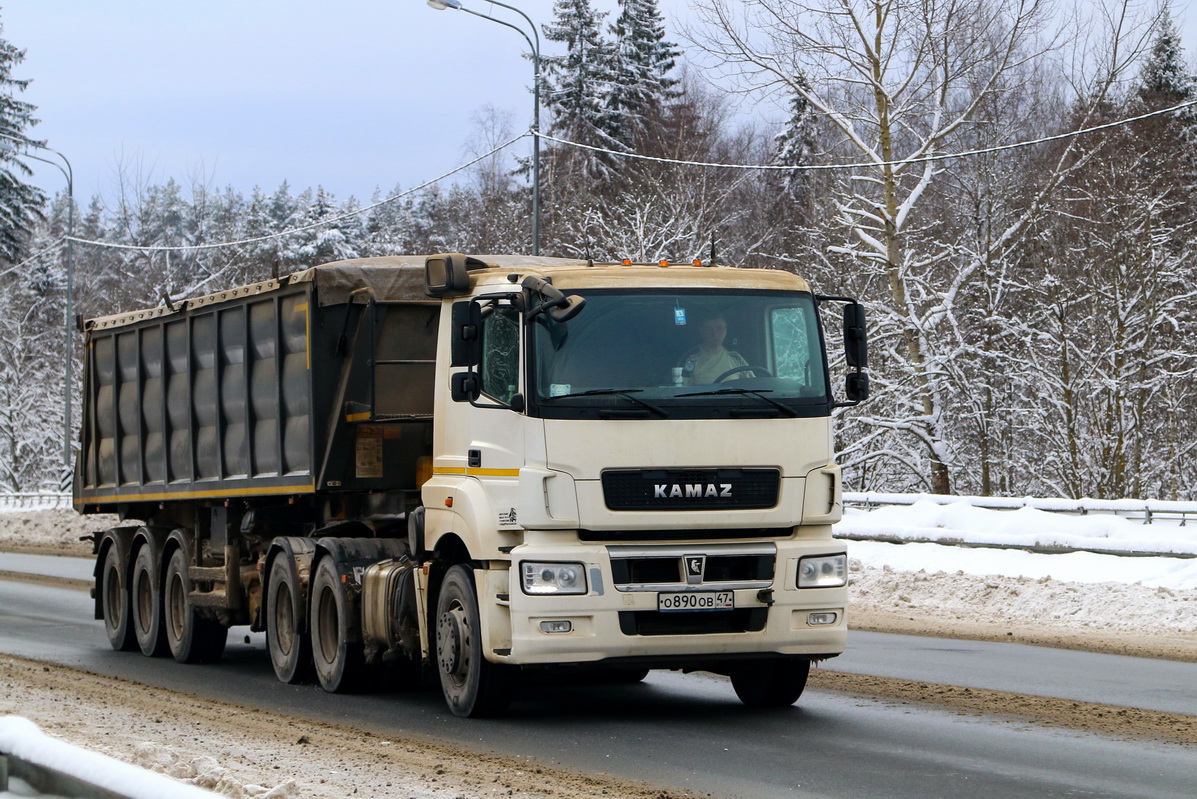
319,382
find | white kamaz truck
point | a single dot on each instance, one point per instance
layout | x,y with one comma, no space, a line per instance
459,468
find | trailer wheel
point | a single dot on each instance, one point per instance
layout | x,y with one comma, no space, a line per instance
146,605
290,649
340,663
473,686
192,638
777,682
115,603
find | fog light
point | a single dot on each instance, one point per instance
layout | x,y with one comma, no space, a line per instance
820,619
560,626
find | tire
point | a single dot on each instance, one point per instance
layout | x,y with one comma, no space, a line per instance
777,682
115,604
340,664
289,645
145,591
191,638
473,686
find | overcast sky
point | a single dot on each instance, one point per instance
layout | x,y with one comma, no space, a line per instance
348,94
351,95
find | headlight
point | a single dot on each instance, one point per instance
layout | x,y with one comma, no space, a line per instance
827,571
554,578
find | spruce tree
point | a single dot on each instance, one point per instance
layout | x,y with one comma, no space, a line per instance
577,83
641,71
1164,81
20,203
795,144
1168,143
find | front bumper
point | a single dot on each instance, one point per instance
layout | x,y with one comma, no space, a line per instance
618,619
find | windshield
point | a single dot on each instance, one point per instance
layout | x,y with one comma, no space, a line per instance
681,355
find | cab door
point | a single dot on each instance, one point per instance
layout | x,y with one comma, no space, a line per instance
496,449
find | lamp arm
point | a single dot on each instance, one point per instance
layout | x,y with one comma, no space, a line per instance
516,28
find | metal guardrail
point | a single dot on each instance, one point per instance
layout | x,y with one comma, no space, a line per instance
32,500
32,760
1147,510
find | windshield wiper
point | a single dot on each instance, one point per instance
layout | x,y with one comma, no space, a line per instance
758,394
626,393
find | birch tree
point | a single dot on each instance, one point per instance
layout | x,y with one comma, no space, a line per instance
900,81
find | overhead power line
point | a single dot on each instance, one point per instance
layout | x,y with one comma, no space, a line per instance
49,248
866,164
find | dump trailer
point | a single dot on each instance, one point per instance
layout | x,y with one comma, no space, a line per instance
455,468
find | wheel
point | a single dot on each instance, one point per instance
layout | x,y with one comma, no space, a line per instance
115,603
777,682
340,663
290,649
146,594
760,370
191,637
473,686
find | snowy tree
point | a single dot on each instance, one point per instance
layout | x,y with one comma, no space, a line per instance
577,82
796,143
899,80
641,82
1164,80
19,201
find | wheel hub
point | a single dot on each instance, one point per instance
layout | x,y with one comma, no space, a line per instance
448,642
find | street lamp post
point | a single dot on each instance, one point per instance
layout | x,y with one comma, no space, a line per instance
534,44
69,312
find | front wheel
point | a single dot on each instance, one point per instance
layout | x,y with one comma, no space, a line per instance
191,637
473,686
777,682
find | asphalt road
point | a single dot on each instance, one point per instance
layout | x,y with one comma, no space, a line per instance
682,731
1161,685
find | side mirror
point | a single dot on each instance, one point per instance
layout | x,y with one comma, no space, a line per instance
447,273
465,387
572,307
467,334
856,386
559,307
856,345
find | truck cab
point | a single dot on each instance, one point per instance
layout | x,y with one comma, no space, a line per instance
638,460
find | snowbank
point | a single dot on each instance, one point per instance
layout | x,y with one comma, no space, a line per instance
962,522
22,739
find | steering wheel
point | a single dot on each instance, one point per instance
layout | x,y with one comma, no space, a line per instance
744,368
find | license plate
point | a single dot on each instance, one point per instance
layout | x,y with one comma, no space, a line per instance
679,601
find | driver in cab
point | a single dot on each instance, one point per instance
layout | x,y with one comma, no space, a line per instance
711,359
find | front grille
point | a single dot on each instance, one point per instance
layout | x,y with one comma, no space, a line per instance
648,622
719,569
691,489
662,567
